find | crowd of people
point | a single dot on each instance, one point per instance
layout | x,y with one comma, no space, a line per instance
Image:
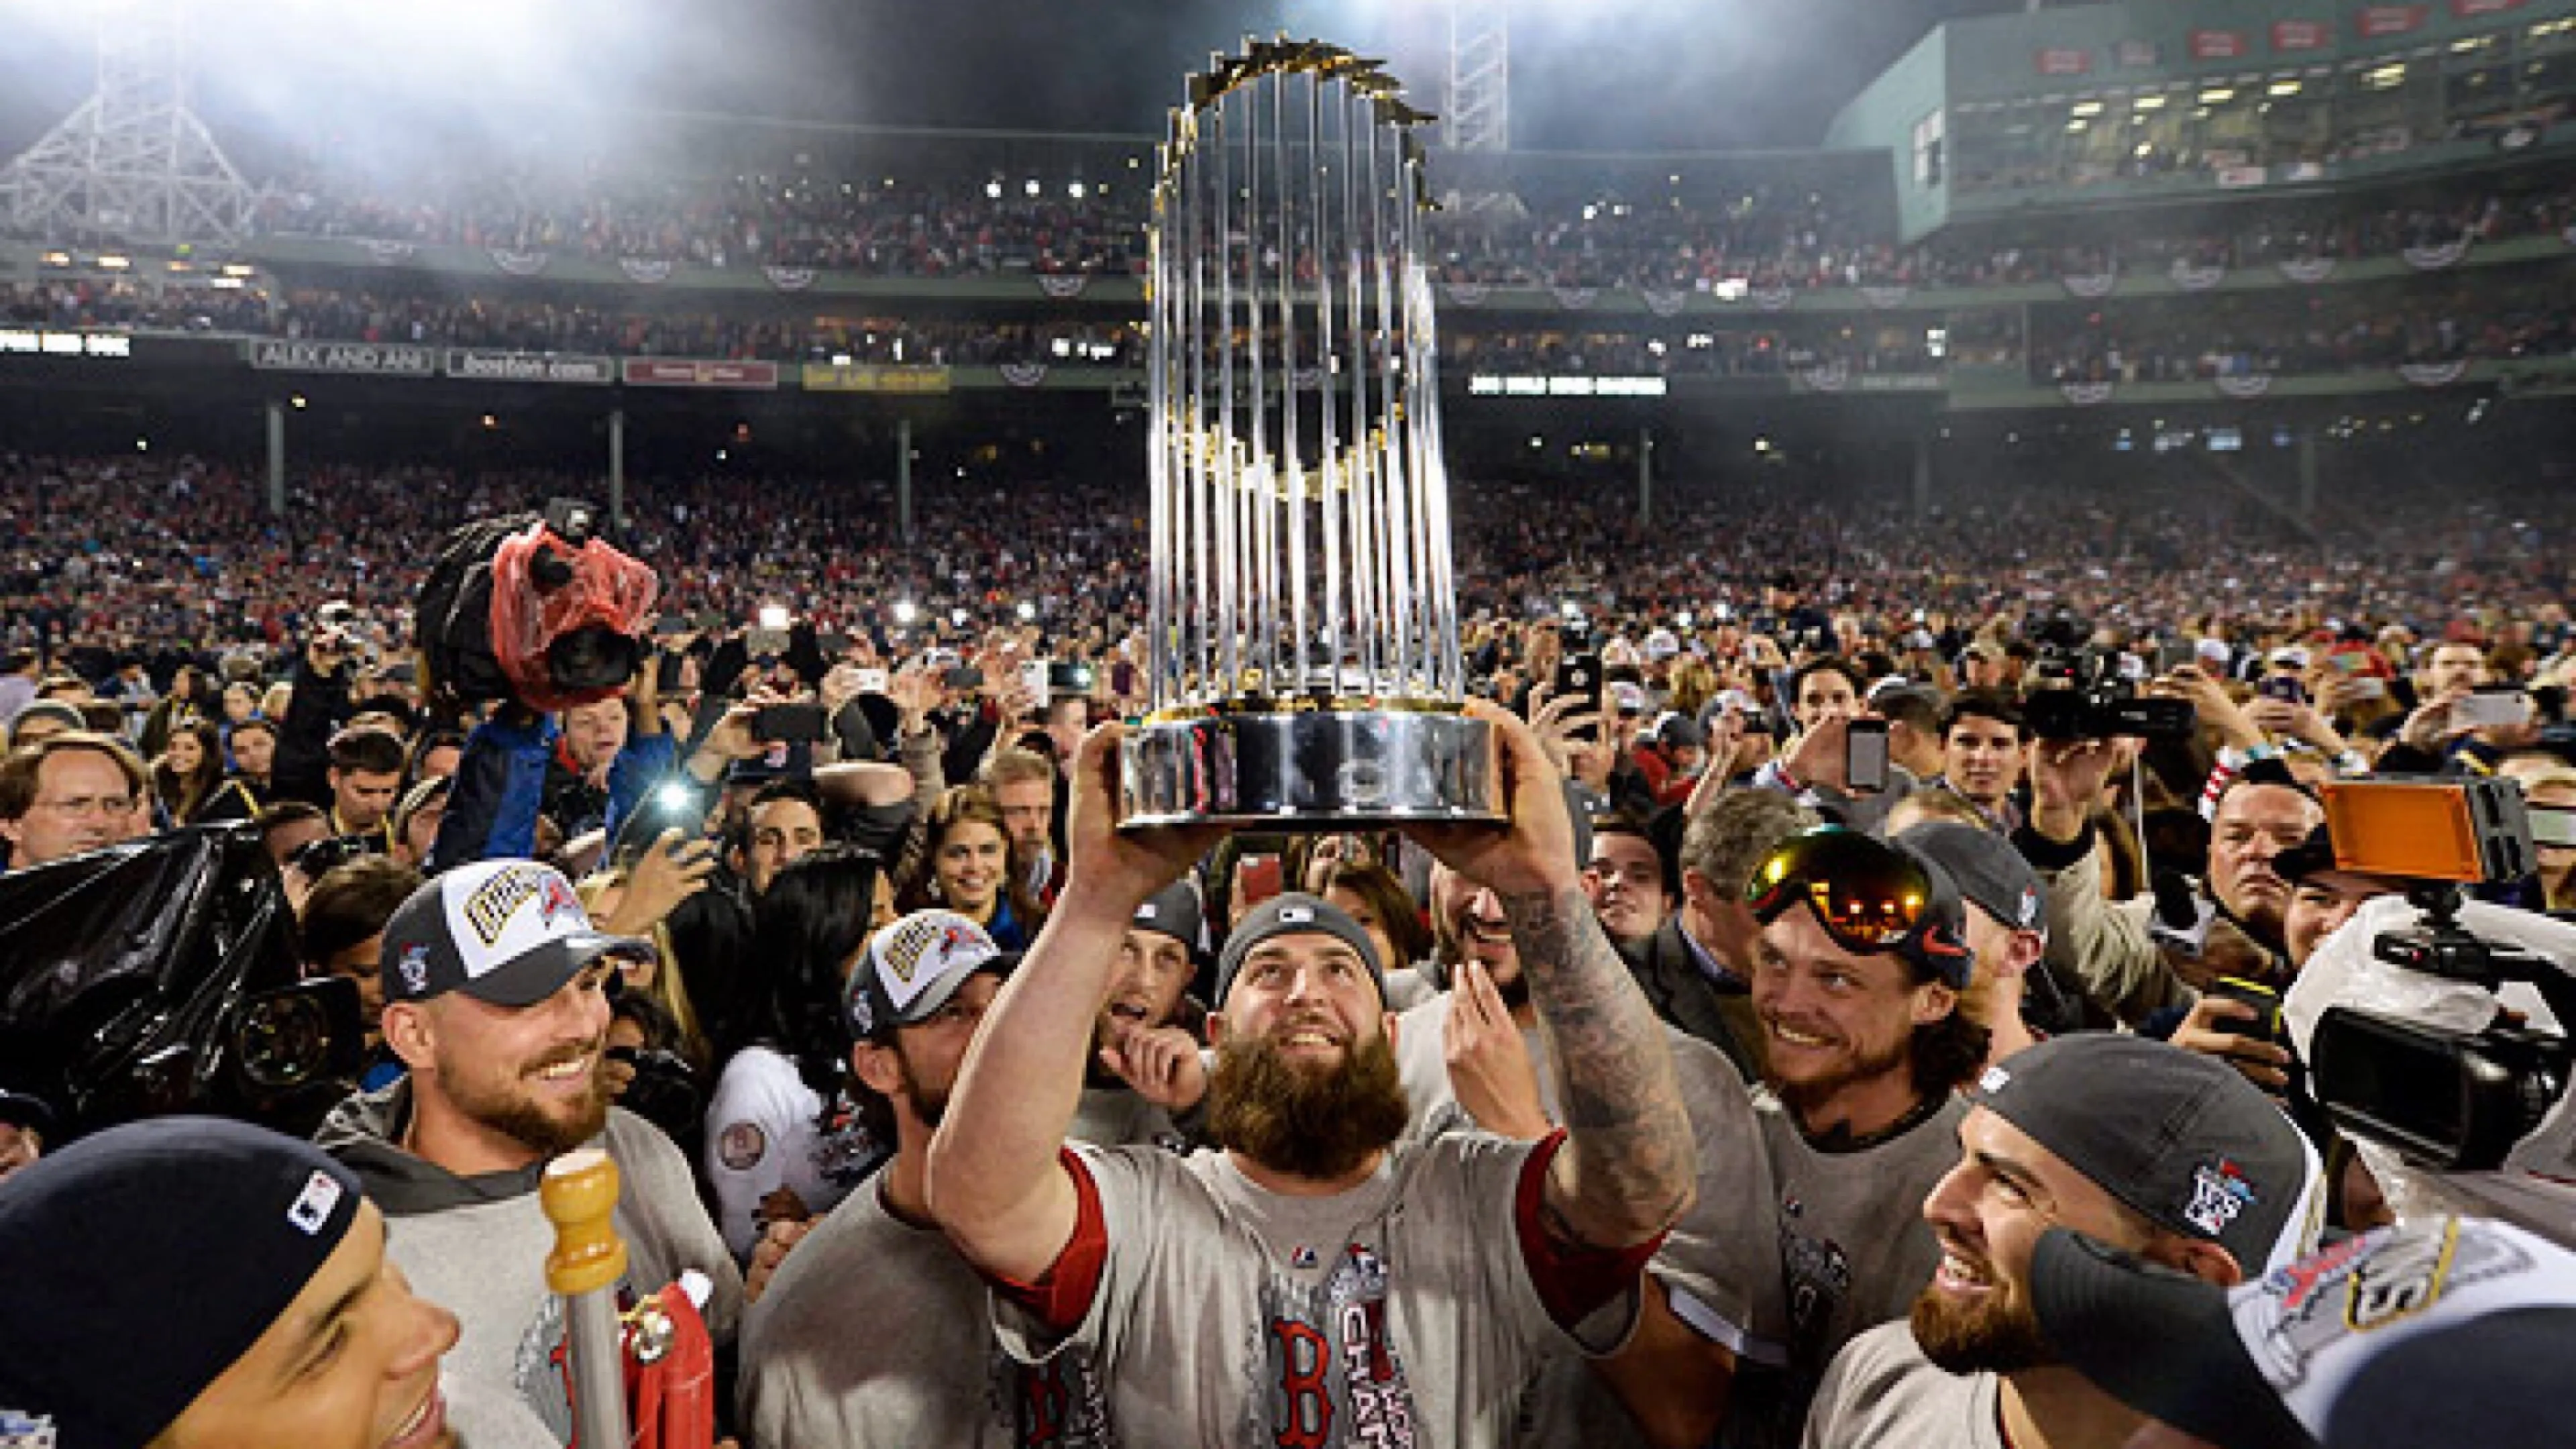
824,932
1863,1028
175,559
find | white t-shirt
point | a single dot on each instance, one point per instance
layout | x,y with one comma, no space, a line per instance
765,1131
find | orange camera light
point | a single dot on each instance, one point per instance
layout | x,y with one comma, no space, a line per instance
2421,831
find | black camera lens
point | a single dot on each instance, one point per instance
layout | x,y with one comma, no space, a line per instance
285,1041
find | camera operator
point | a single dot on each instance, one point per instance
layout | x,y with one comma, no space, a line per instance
319,705
2238,904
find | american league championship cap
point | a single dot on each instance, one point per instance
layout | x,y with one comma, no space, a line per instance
138,1265
2177,1136
507,932
913,966
2436,1332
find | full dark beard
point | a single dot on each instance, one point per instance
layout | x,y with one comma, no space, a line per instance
520,1118
2002,1338
1318,1124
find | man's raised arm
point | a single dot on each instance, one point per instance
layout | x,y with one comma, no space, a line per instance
995,1182
1627,1169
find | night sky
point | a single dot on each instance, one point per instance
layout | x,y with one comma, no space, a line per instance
383,77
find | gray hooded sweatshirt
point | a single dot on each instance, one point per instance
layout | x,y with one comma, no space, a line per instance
477,1247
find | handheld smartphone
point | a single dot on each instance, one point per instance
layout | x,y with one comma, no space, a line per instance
2285,688
764,642
1580,674
2492,706
874,681
1865,755
2266,1024
965,676
789,724
2345,661
1033,680
670,624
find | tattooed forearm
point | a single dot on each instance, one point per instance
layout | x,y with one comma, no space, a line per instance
1627,1168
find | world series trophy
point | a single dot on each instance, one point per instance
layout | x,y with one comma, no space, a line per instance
1303,623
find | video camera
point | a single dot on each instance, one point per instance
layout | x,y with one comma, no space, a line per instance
162,976
2444,1097
534,607
2079,694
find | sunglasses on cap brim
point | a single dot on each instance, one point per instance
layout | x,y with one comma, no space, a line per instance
1868,896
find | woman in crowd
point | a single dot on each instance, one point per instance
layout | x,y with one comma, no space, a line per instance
971,868
189,770
781,1144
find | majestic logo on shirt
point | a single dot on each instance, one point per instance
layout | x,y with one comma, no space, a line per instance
1331,1376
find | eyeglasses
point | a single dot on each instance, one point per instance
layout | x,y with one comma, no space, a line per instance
80,805
1869,897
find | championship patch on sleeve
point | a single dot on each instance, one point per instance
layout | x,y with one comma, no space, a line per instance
742,1146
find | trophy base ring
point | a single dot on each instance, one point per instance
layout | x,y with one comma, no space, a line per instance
1315,770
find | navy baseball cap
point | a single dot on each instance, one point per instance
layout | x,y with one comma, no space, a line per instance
1292,914
140,1264
507,932
2444,1331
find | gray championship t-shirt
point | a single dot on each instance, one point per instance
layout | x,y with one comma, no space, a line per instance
486,1263
1408,1310
1882,1393
1720,1267
874,1332
1854,1252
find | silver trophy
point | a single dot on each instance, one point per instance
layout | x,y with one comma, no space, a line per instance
1304,625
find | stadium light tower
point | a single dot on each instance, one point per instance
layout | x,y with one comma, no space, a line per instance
1480,75
133,162
1480,97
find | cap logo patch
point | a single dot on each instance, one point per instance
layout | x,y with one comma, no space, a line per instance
312,1207
1296,915
555,897
1148,911
413,967
1993,1080
2218,1194
489,909
2029,907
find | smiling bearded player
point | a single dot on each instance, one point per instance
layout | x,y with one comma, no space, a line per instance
497,1001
